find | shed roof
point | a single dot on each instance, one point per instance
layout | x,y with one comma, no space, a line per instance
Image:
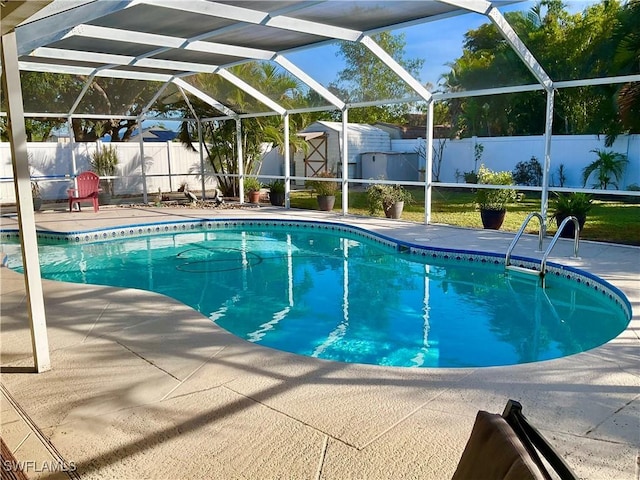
354,128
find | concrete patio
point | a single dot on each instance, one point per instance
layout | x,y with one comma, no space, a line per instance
145,387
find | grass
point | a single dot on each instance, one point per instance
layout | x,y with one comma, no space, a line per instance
614,220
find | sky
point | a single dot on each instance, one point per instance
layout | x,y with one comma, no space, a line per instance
438,43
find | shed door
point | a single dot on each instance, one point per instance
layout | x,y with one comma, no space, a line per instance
316,159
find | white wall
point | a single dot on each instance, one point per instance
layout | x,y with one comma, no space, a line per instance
55,160
503,153
500,153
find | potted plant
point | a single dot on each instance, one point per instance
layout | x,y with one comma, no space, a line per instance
493,202
252,189
276,193
389,198
104,162
472,176
35,195
325,190
571,204
35,189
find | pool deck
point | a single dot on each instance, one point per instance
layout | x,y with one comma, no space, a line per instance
145,387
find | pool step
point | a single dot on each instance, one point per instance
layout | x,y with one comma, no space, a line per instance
526,271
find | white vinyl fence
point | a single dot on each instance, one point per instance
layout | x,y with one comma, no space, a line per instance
504,153
573,152
169,164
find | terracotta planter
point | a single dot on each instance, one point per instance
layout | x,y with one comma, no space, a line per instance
569,228
254,197
492,219
394,210
326,202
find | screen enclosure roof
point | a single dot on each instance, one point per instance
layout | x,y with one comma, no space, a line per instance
170,43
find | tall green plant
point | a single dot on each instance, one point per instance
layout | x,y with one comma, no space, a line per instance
323,188
104,162
608,164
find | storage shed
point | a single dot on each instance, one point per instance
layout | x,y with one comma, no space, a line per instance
391,165
325,151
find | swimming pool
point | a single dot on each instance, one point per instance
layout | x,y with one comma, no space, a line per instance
343,294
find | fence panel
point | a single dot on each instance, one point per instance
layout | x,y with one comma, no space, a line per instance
54,161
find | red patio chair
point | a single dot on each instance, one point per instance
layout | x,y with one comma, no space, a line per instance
88,188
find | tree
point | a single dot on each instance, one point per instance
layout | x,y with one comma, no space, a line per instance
627,61
219,136
568,47
367,78
55,92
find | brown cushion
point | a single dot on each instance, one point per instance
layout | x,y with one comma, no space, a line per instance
9,468
494,451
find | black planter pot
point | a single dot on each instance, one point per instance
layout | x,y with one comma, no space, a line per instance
569,229
276,198
492,219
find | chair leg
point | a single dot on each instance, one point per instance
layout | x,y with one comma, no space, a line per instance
96,207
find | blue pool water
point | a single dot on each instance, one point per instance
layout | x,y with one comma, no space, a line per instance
344,297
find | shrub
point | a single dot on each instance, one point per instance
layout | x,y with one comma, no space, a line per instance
251,184
528,173
470,177
382,196
323,187
562,175
576,204
491,199
277,186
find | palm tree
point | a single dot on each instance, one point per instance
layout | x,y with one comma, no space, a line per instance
626,39
626,59
220,142
607,164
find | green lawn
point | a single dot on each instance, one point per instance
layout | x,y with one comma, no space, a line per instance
615,220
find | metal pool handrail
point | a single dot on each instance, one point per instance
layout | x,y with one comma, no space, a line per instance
541,232
576,241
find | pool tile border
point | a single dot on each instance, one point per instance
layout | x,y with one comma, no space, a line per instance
203,225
